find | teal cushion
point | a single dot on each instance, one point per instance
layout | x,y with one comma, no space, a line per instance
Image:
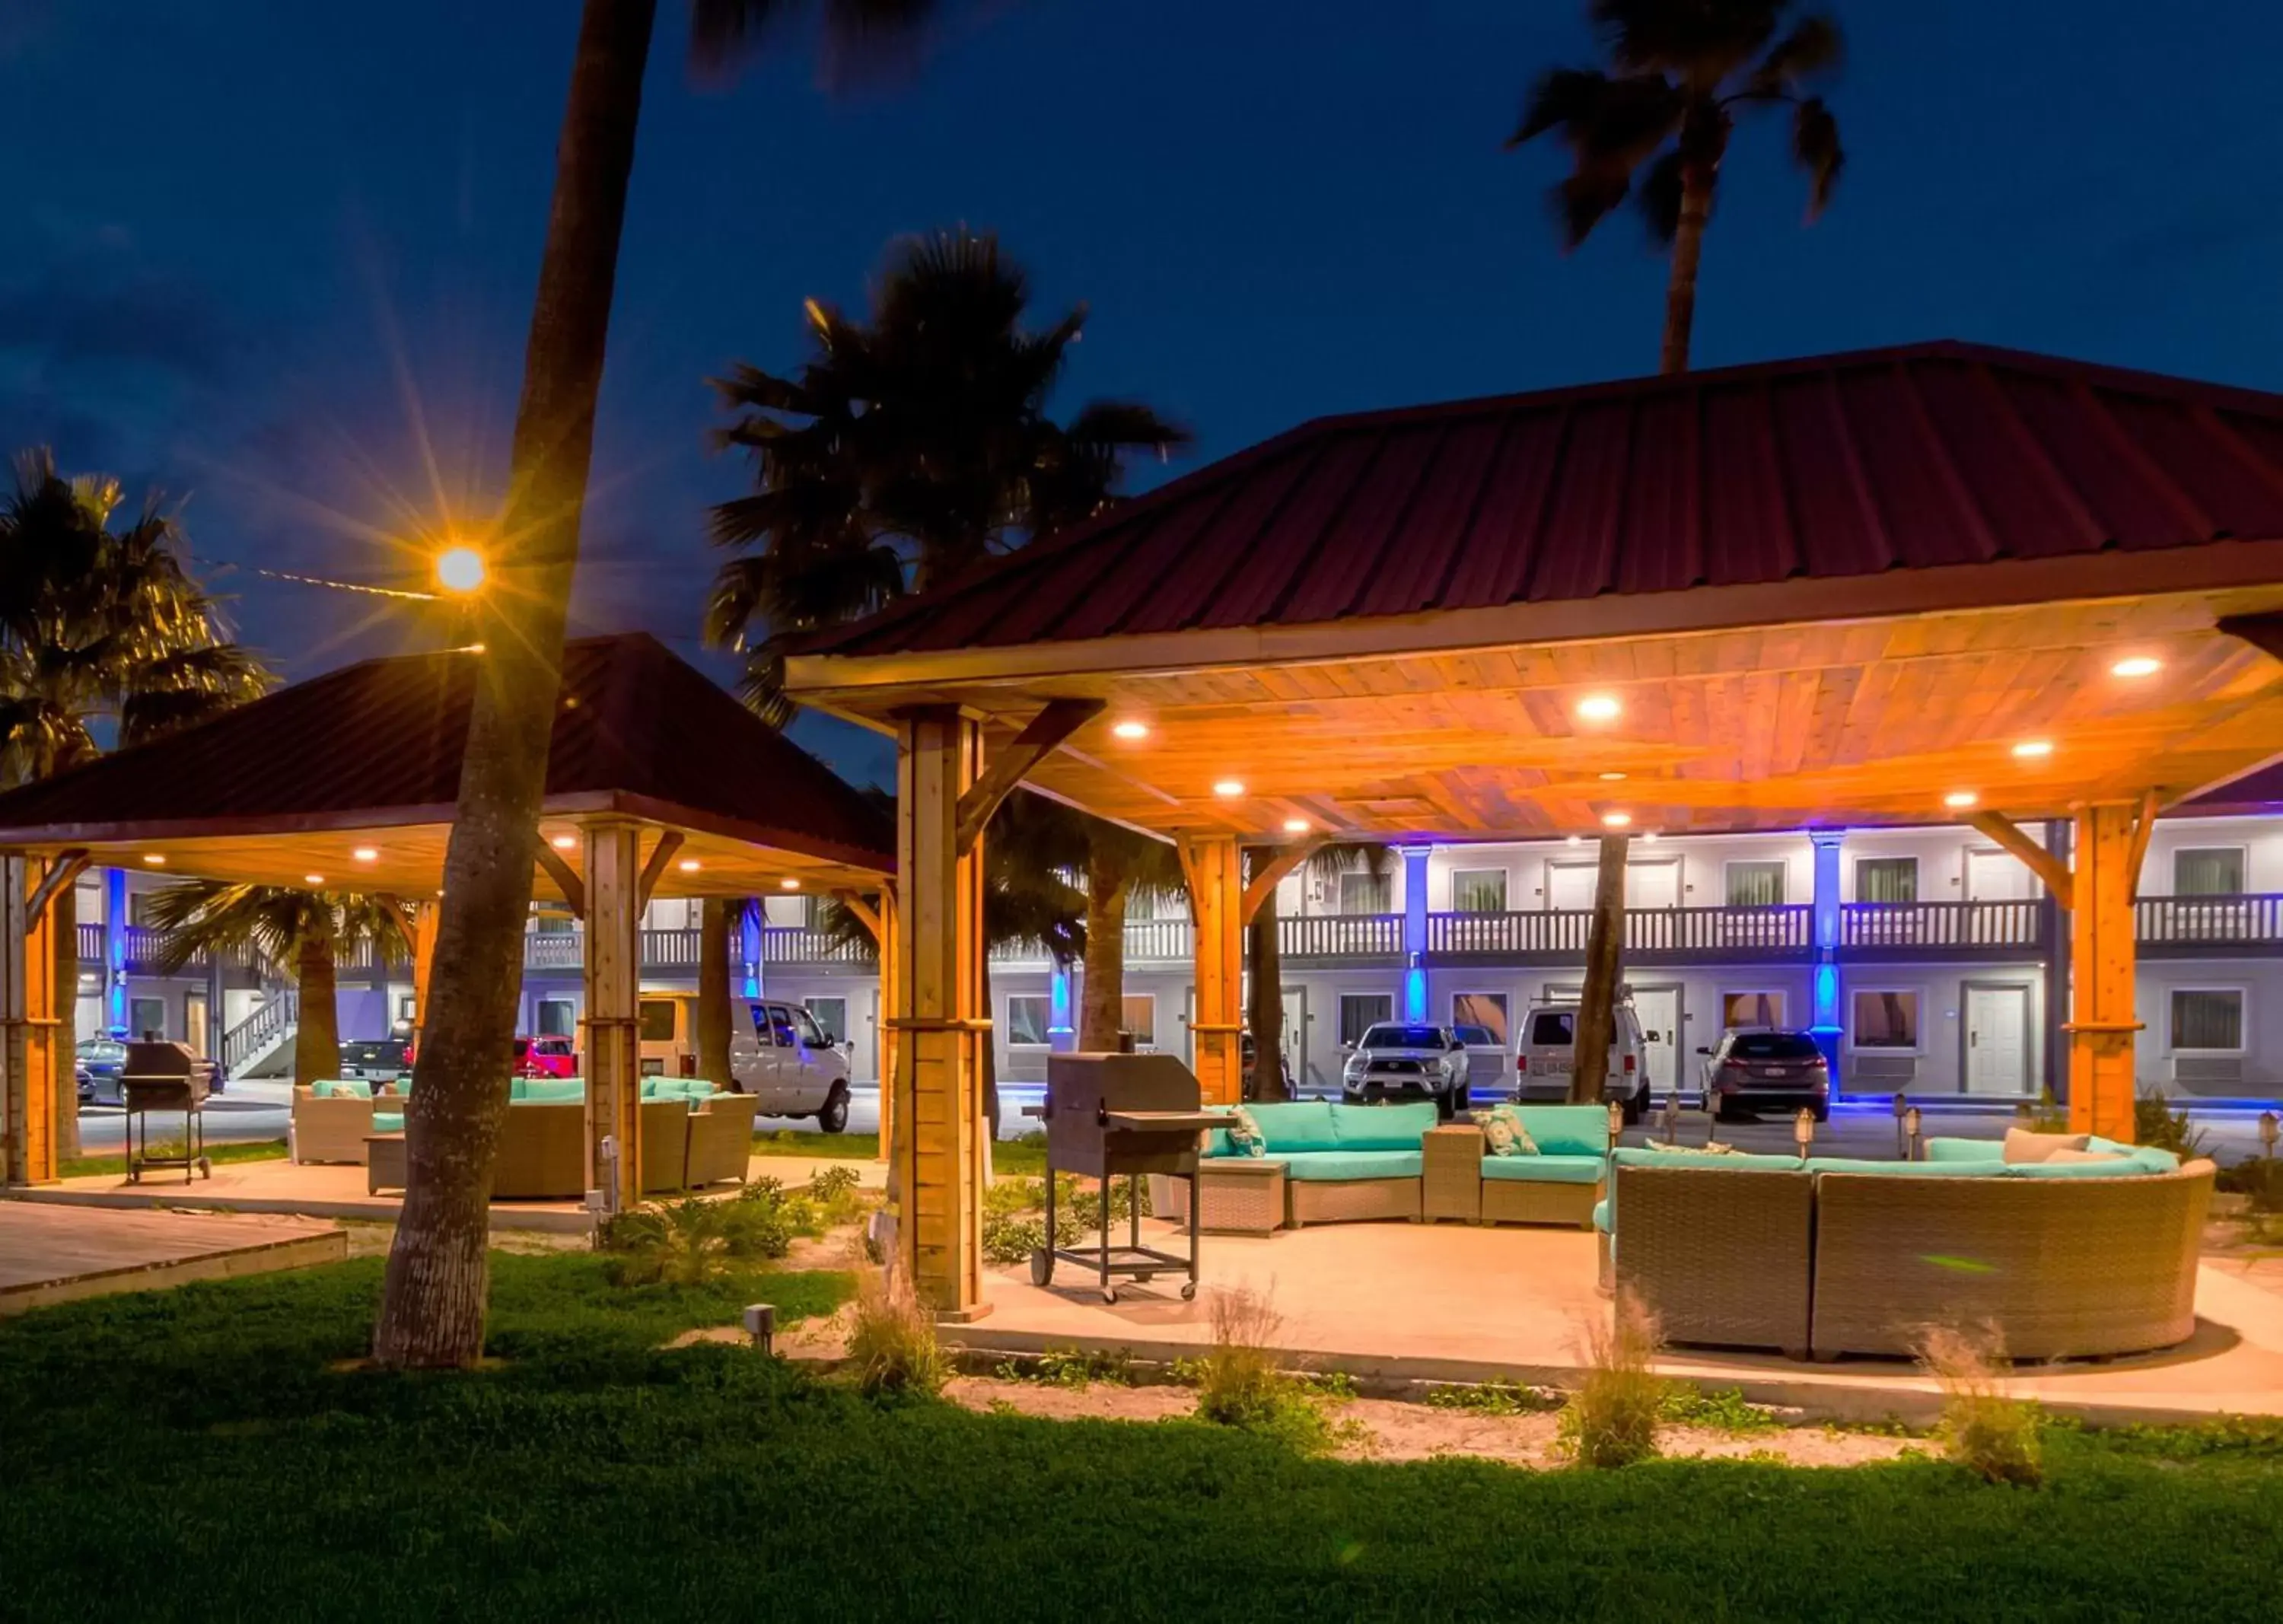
1602,1215
1382,1128
1567,1131
1217,1141
1965,1150
2124,1167
1322,1166
1244,1135
388,1121
2159,1160
1990,1166
1297,1125
514,1089
554,1090
342,1088
1545,1169
1735,1162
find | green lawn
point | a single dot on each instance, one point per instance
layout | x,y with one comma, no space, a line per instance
1026,1156
238,1149
204,1453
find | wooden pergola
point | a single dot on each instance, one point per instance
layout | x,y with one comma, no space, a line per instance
1906,585
659,785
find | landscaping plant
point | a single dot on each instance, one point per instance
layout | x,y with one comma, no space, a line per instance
693,1240
1983,1429
1238,1382
2156,1123
1612,1419
892,1345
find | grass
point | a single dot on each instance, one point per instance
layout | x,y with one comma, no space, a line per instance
1024,1157
246,1150
1996,1437
200,1453
1613,1417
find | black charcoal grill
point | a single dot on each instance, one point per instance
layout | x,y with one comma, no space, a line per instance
1113,1115
157,1076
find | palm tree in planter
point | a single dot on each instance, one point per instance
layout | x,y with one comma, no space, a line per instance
103,633
302,933
1264,1014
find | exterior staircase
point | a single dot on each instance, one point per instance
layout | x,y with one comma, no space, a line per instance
262,1045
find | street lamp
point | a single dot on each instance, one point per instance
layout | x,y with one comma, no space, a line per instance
460,570
1617,1120
2269,1128
1802,1130
1902,1143
1911,1127
1672,1117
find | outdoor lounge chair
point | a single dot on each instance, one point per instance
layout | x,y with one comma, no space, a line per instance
1720,1253
721,1139
330,1126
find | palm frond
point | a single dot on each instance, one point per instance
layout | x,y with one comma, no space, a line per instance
1815,148
1815,48
1659,197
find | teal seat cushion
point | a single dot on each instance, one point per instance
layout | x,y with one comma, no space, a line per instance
1735,1162
514,1089
1545,1169
1311,1167
341,1088
1964,1150
2124,1167
1567,1131
2158,1160
388,1121
1989,1167
1380,1127
1297,1125
1602,1215
552,1091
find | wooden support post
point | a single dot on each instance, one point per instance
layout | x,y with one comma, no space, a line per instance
891,962
1597,1000
2101,1021
937,1021
612,860
1216,881
29,1127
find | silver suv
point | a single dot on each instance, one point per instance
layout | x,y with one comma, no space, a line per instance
1397,1060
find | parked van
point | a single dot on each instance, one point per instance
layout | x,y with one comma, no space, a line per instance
780,1054
1546,1056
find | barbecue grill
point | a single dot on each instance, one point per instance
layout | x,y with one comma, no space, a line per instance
1113,1114
165,1077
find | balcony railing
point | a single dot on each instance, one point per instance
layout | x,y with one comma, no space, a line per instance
1340,936
1561,933
2255,919
1156,938
1993,924
797,944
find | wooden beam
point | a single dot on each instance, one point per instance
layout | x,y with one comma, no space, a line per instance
566,880
1264,883
2142,828
69,865
865,913
668,843
1039,740
2264,632
2039,861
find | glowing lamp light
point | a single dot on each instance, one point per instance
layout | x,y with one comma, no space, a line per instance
367,854
460,569
1575,839
1613,778
2030,749
1296,826
688,865
564,842
1229,789
1616,820
313,879
2137,664
1958,799
157,860
1600,708
788,883
1131,729
1649,837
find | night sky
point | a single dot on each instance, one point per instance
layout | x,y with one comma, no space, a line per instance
276,259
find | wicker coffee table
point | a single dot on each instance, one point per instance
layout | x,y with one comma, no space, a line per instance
1452,1185
384,1163
1236,1195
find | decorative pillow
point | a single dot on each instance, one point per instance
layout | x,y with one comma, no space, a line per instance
1244,1135
2023,1145
1504,1132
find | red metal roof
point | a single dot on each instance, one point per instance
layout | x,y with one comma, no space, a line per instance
638,730
1828,466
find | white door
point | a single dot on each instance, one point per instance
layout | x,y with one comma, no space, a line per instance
1659,1009
1997,1040
1569,885
1998,877
1652,885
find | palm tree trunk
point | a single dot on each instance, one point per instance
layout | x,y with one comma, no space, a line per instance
1688,248
431,1311
714,917
64,915
1102,999
1264,1013
317,1029
1605,942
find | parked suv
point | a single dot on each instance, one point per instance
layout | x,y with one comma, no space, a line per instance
1397,1060
795,1066
382,1060
1547,1055
1761,1068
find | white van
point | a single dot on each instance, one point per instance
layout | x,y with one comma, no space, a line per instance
796,1068
1546,1056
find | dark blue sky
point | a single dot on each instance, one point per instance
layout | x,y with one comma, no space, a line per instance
276,257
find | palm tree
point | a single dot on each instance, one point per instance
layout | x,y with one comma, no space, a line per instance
907,450
1264,1015
304,932
1679,72
1122,868
432,1300
717,917
103,633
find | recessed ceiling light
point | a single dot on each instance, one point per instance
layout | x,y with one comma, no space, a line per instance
1612,777
157,860
564,842
1131,729
1228,789
688,865
1649,837
367,854
2031,747
1296,826
1960,798
788,883
313,879
1600,708
1575,839
1617,820
2138,665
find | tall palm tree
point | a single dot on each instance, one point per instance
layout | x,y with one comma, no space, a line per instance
1122,868
909,449
300,933
717,917
434,1297
1264,1015
103,634
1660,114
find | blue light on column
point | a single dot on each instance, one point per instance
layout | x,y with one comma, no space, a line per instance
1825,919
114,948
749,949
1062,1037
1414,932
1414,995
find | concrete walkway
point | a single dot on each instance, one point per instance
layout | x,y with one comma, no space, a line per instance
50,1254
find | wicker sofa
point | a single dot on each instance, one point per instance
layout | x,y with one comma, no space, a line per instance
2071,1258
1325,1163
1561,1181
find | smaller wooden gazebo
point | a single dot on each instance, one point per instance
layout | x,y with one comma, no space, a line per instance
659,783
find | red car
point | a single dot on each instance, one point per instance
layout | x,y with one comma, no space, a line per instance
545,1057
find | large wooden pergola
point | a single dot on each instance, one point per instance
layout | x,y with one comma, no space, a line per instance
1916,585
659,783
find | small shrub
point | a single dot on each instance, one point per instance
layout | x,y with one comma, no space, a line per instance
1494,1398
1010,1239
1724,1411
891,1343
830,1183
2156,1123
1982,1429
1238,1383
1069,1367
671,1243
2049,1116
1612,1419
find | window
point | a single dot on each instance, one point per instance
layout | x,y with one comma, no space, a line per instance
1359,1010
1739,1010
2207,1018
1773,1046
1389,1036
1886,1020
805,1024
557,1018
1886,880
1365,894
1139,1013
1026,1020
1554,1028
146,1016
1755,885
832,1015
551,924
1484,1010
1478,891
89,900
2216,870
138,907
780,1026
657,1020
